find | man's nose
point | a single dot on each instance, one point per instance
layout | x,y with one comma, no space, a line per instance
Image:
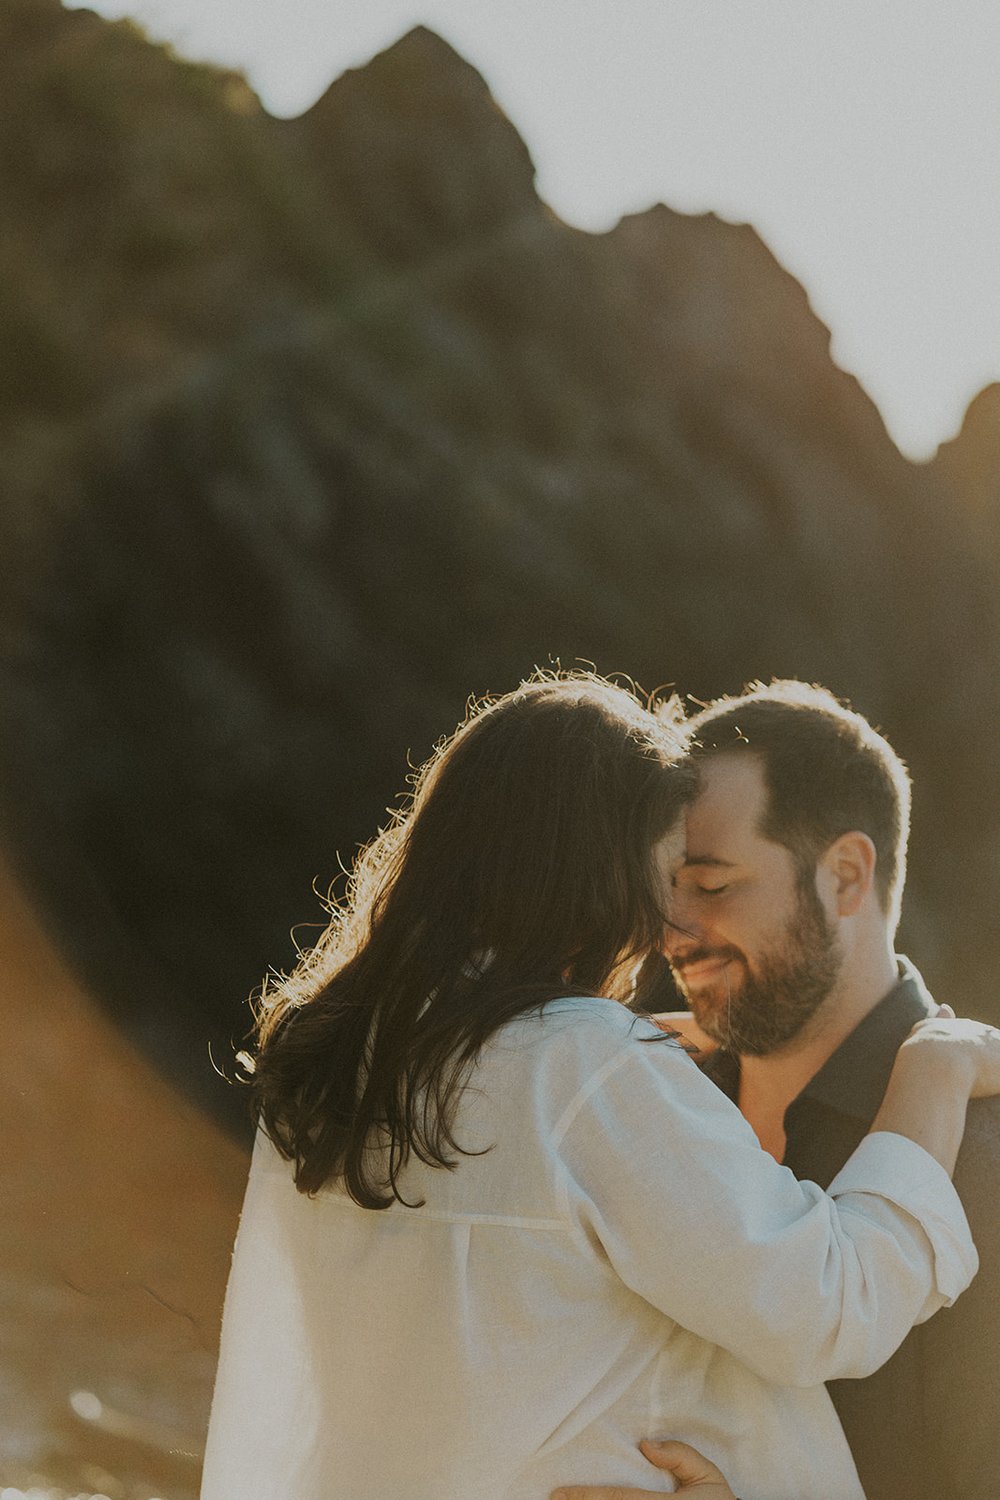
682,930
678,942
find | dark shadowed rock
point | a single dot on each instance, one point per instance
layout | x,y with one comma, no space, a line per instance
333,424
968,467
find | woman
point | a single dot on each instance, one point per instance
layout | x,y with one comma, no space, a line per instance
497,1228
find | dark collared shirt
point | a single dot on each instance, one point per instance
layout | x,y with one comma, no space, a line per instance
927,1425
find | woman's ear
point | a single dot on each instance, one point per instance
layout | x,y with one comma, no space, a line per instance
849,866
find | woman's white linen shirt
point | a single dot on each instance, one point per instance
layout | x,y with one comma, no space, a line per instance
623,1261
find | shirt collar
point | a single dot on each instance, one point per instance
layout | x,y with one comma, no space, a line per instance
853,1080
724,1070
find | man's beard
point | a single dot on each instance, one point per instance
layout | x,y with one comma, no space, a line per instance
755,1014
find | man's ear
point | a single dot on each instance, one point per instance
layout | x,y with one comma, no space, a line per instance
849,866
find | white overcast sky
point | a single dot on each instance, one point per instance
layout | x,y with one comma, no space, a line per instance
860,137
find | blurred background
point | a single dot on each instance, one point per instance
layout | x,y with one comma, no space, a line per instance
318,418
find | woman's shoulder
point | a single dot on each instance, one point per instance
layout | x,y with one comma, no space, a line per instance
574,1034
586,1014
539,1067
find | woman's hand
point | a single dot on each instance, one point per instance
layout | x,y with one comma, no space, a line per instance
970,1046
942,1064
694,1474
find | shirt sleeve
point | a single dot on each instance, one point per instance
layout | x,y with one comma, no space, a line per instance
665,1175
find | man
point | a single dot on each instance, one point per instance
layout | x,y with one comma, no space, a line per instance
789,899
785,909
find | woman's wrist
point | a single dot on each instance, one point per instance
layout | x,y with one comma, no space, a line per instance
927,1095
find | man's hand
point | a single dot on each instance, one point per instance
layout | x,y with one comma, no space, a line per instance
693,1473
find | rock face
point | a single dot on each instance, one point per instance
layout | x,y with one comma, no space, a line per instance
317,427
969,466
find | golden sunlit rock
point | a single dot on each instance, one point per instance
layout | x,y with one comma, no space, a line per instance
120,1208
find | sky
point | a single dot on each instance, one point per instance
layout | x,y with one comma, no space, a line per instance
861,138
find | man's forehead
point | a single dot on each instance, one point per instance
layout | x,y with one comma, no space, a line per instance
731,790
724,818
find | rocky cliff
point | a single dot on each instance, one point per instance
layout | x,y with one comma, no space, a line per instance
317,426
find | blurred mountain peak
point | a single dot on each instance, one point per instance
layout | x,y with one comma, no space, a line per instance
981,423
418,150
420,69
422,45
969,465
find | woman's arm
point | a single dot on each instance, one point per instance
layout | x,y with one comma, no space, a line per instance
802,1286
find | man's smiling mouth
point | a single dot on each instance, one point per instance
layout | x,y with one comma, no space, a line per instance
703,969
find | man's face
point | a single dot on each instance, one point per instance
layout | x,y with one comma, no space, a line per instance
751,948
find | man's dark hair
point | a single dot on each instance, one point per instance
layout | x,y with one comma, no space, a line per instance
827,772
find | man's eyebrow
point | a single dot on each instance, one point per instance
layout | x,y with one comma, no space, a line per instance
707,859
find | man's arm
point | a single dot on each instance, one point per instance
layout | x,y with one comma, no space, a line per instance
695,1476
928,1423
960,1347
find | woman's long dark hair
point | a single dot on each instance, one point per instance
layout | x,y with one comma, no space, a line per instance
521,870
